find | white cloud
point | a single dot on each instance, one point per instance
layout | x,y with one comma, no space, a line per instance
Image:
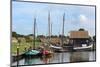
83,18
87,23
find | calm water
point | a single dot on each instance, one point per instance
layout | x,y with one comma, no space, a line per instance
59,58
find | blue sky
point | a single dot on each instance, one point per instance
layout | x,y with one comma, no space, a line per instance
23,14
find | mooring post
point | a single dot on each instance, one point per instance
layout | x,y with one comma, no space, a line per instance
17,56
25,49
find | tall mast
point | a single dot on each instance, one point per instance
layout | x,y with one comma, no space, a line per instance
49,24
49,35
62,39
51,30
34,33
63,29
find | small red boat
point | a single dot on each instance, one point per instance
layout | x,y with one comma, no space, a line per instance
46,52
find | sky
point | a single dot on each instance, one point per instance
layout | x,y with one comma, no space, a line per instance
76,17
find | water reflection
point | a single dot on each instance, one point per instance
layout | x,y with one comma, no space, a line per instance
29,61
59,58
79,56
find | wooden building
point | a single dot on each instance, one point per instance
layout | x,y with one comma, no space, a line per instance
79,38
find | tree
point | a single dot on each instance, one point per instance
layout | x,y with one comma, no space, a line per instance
40,36
90,39
30,35
81,29
62,36
67,37
94,38
14,34
54,36
19,35
28,39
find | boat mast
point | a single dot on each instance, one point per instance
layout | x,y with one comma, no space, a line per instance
49,33
62,30
34,34
62,37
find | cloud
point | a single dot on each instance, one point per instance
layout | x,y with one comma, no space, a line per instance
87,23
83,18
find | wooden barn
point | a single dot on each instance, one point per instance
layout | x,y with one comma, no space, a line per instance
79,38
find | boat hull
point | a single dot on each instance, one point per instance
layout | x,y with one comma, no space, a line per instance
85,49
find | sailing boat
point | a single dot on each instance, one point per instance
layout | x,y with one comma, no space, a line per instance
45,51
55,48
33,52
60,48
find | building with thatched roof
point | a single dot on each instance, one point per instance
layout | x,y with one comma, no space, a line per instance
79,38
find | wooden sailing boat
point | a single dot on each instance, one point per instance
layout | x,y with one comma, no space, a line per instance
45,51
33,52
60,48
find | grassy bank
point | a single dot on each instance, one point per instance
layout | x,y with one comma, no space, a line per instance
22,47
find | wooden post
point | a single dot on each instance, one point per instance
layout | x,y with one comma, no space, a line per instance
25,49
17,56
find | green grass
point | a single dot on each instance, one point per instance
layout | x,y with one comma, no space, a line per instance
21,46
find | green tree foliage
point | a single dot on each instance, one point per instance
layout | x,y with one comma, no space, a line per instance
40,36
94,38
30,35
90,39
28,39
20,35
67,37
14,34
81,29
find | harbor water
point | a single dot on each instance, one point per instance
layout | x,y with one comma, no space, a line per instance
65,57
